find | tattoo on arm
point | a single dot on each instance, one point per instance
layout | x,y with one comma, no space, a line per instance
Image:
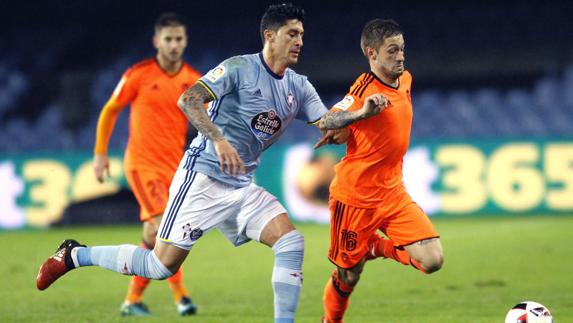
338,119
191,103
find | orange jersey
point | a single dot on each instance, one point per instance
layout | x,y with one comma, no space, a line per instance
371,172
157,128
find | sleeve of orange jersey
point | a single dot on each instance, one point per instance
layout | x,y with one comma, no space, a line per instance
105,125
350,102
122,95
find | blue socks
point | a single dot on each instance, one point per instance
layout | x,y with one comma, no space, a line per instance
287,275
124,259
131,260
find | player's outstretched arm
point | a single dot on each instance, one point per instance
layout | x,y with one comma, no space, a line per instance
105,125
191,103
335,119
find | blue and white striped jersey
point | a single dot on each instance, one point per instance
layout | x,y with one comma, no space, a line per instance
253,107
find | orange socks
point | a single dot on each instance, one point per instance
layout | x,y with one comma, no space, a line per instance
177,286
335,299
138,285
385,248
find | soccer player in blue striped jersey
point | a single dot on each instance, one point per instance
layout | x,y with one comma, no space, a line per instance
253,98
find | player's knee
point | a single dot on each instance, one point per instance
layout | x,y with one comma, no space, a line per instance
292,241
432,263
289,250
160,270
348,277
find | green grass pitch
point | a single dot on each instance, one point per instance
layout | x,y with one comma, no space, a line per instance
490,265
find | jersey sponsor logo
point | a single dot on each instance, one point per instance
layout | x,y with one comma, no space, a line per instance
119,87
345,103
266,124
216,73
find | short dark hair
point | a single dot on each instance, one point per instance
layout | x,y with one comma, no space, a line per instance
277,15
376,31
168,19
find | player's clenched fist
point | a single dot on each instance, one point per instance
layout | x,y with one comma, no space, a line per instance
374,104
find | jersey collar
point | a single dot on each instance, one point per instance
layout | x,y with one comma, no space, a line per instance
273,74
384,83
165,72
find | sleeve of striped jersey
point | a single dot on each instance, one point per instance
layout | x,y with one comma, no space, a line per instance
312,108
223,78
126,89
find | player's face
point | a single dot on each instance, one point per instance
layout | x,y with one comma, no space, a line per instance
389,59
287,42
170,43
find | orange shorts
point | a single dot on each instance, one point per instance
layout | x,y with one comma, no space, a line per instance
352,227
151,190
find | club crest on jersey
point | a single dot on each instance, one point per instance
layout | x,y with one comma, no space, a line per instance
216,73
266,124
290,99
192,234
345,103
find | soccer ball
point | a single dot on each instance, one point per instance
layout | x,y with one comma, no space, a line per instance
529,312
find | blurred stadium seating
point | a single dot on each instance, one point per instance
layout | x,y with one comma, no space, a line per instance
53,83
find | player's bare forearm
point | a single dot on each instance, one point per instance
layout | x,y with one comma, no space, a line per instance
191,103
336,119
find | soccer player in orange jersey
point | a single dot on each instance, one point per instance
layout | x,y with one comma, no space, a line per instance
157,136
367,193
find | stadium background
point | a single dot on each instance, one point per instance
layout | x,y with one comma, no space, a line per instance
493,98
492,93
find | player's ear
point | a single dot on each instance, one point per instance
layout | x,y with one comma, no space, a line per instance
269,35
155,40
371,53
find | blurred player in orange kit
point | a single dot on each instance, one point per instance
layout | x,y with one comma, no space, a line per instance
157,136
367,193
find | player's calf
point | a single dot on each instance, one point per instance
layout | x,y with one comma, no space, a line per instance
350,277
287,275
